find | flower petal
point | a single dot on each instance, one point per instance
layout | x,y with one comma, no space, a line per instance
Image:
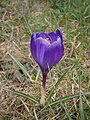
32,45
43,35
58,33
38,48
53,54
53,36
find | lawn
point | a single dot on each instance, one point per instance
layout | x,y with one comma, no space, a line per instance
68,82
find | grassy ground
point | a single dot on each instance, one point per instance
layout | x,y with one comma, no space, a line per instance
69,99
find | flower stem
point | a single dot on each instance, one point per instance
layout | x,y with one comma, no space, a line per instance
44,80
43,89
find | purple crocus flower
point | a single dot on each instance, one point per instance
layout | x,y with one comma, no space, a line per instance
47,50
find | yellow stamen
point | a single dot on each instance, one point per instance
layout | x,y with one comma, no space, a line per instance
47,39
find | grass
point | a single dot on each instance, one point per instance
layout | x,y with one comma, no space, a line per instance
68,83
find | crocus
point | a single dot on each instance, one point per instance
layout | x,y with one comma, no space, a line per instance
47,50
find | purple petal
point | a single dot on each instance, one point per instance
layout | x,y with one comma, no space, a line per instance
32,45
58,32
43,35
53,36
53,54
33,36
38,48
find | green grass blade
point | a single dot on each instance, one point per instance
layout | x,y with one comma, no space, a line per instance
33,100
3,34
69,117
29,31
20,65
80,96
67,98
55,86
38,74
81,109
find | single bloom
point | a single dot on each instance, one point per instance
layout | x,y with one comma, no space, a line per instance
47,50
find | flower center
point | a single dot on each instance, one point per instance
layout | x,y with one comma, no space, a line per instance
47,39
